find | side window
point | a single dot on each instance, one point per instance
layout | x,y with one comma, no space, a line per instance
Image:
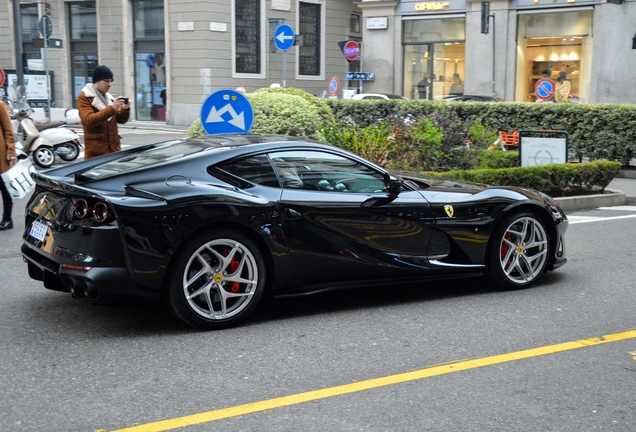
254,169
323,171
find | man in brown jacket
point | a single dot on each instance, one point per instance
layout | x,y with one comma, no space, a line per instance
100,112
7,159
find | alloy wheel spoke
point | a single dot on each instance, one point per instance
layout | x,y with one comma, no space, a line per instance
196,277
205,289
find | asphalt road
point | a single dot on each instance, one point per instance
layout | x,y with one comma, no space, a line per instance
67,365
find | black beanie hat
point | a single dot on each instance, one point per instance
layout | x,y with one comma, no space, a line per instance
101,72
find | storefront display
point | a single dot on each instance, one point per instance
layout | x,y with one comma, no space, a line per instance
550,43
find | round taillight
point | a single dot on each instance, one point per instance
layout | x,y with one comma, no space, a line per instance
80,208
100,212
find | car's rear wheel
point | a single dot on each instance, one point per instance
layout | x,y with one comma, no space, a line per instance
217,281
518,251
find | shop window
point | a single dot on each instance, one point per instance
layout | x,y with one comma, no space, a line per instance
434,58
83,31
150,60
310,25
554,44
248,47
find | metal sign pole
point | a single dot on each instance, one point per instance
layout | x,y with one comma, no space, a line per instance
285,68
361,63
48,83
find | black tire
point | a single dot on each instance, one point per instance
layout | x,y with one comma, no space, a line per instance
518,251
227,270
44,157
74,152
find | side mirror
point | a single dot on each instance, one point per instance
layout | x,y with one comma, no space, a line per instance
394,183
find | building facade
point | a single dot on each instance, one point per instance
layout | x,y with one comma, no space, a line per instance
592,43
169,55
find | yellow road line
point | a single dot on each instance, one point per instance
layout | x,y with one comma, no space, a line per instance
210,416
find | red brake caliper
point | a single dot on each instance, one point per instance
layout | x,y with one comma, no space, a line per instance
505,247
234,264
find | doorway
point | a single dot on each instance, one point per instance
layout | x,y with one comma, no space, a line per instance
431,69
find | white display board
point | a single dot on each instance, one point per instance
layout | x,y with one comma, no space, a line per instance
542,151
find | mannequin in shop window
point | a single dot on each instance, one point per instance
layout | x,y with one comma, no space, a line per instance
563,88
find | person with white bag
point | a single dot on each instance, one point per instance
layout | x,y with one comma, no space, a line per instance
8,158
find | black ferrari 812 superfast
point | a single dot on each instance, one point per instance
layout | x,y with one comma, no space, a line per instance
212,224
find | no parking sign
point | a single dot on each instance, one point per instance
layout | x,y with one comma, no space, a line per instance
544,89
334,86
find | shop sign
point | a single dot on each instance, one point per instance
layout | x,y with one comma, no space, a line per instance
360,76
407,7
432,6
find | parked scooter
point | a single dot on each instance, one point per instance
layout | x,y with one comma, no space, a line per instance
28,135
66,143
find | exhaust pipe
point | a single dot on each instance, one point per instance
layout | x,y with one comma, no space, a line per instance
82,288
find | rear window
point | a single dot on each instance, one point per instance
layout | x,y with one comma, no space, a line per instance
165,152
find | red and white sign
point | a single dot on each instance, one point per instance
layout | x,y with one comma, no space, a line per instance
351,50
2,77
334,86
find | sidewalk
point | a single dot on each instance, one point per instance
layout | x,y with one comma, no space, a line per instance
152,125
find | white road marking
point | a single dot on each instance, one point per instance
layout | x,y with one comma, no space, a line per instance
623,208
585,219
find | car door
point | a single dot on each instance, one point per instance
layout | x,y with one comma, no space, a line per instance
341,222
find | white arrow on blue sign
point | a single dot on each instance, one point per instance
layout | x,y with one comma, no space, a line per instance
284,37
226,111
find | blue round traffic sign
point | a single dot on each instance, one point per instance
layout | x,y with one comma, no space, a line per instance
227,111
284,37
544,89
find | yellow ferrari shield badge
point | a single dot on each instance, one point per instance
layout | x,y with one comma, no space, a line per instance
450,211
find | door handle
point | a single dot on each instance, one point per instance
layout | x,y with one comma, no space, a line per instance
292,214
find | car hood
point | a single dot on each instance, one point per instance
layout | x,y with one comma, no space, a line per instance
446,185
441,184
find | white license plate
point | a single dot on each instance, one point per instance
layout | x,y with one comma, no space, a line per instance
38,230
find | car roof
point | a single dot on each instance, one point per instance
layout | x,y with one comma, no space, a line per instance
376,96
473,98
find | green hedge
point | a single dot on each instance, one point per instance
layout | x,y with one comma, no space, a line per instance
556,180
596,131
284,111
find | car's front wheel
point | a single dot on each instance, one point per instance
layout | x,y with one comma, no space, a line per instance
518,251
217,281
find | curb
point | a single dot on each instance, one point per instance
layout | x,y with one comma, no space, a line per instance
609,198
627,173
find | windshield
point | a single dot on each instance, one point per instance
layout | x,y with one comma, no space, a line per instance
16,98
